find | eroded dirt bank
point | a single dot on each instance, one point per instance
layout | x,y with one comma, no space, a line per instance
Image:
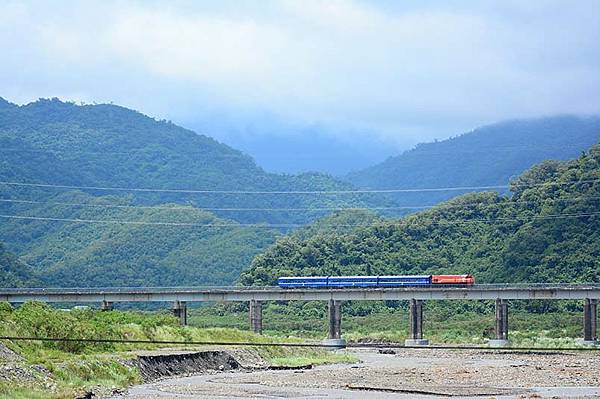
408,373
159,364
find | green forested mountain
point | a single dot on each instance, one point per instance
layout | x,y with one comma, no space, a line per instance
117,241
487,156
547,231
54,142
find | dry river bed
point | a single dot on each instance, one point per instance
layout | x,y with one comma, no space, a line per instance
409,373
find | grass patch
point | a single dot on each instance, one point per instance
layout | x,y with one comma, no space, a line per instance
75,367
95,370
10,390
450,322
298,361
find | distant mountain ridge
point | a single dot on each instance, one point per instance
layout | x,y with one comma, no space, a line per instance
54,142
74,132
310,150
489,155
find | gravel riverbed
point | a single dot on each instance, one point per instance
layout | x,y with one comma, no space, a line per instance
418,373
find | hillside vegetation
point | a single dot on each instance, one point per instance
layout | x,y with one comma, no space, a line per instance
547,231
123,237
194,247
487,156
54,142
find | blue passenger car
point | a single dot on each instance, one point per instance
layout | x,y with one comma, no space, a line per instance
351,281
400,281
354,281
302,282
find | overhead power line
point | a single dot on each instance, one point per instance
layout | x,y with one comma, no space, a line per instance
297,225
185,191
184,207
419,151
141,223
296,192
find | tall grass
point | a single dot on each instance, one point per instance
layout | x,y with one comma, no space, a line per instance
455,324
73,366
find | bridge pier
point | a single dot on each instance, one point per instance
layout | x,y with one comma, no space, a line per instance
106,306
415,330
590,320
334,337
180,311
335,319
501,328
256,324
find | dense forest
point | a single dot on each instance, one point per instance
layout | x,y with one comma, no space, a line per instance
165,245
548,230
487,156
99,237
60,143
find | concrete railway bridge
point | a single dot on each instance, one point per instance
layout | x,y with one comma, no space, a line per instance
256,296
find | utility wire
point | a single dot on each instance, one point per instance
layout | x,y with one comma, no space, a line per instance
296,192
293,344
420,151
296,225
113,221
184,207
361,191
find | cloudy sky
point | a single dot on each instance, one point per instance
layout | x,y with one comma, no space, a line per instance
391,72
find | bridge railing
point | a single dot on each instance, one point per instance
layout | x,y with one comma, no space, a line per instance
190,289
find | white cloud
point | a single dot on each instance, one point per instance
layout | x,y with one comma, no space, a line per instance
405,72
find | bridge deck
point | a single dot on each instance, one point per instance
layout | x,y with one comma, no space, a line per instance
233,294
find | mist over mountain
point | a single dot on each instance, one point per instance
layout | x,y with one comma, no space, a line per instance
487,156
283,148
311,151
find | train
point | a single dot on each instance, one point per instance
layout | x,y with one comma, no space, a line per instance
375,281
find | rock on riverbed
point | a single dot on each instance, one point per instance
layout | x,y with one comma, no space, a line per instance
417,373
